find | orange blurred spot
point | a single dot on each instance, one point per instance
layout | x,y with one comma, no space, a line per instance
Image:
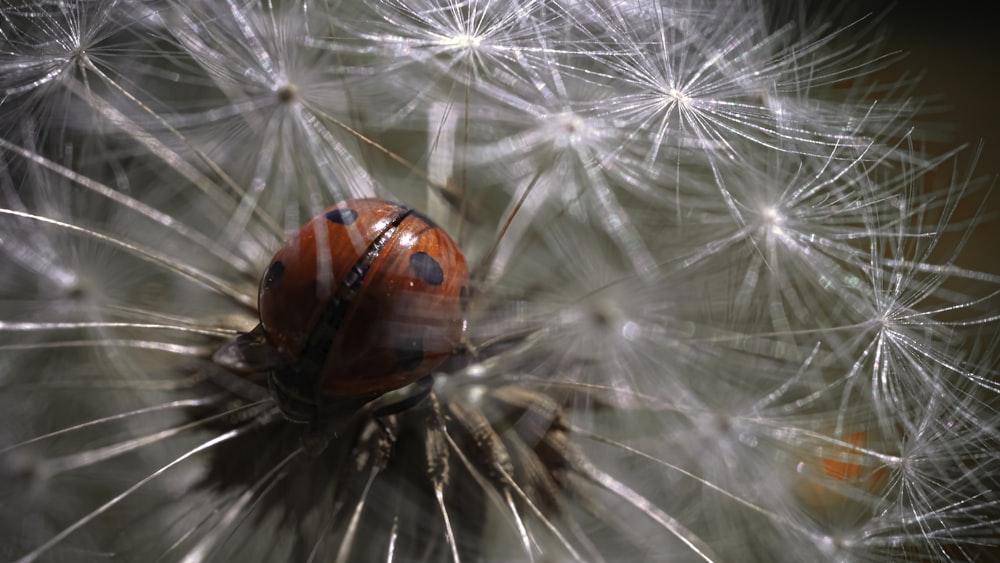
836,478
844,467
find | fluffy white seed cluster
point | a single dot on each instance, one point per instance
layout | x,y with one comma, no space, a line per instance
716,311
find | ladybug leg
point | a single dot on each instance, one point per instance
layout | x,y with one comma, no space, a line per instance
422,388
315,441
248,353
384,415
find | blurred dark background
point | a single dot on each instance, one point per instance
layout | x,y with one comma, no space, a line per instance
956,44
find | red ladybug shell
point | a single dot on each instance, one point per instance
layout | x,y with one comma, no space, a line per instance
368,297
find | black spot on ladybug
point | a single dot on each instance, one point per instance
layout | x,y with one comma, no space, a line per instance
427,268
409,355
342,216
463,298
274,273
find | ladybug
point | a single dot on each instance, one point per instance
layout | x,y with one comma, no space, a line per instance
364,299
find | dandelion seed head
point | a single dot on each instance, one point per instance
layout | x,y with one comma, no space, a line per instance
715,309
681,98
286,92
569,130
462,41
773,216
773,222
